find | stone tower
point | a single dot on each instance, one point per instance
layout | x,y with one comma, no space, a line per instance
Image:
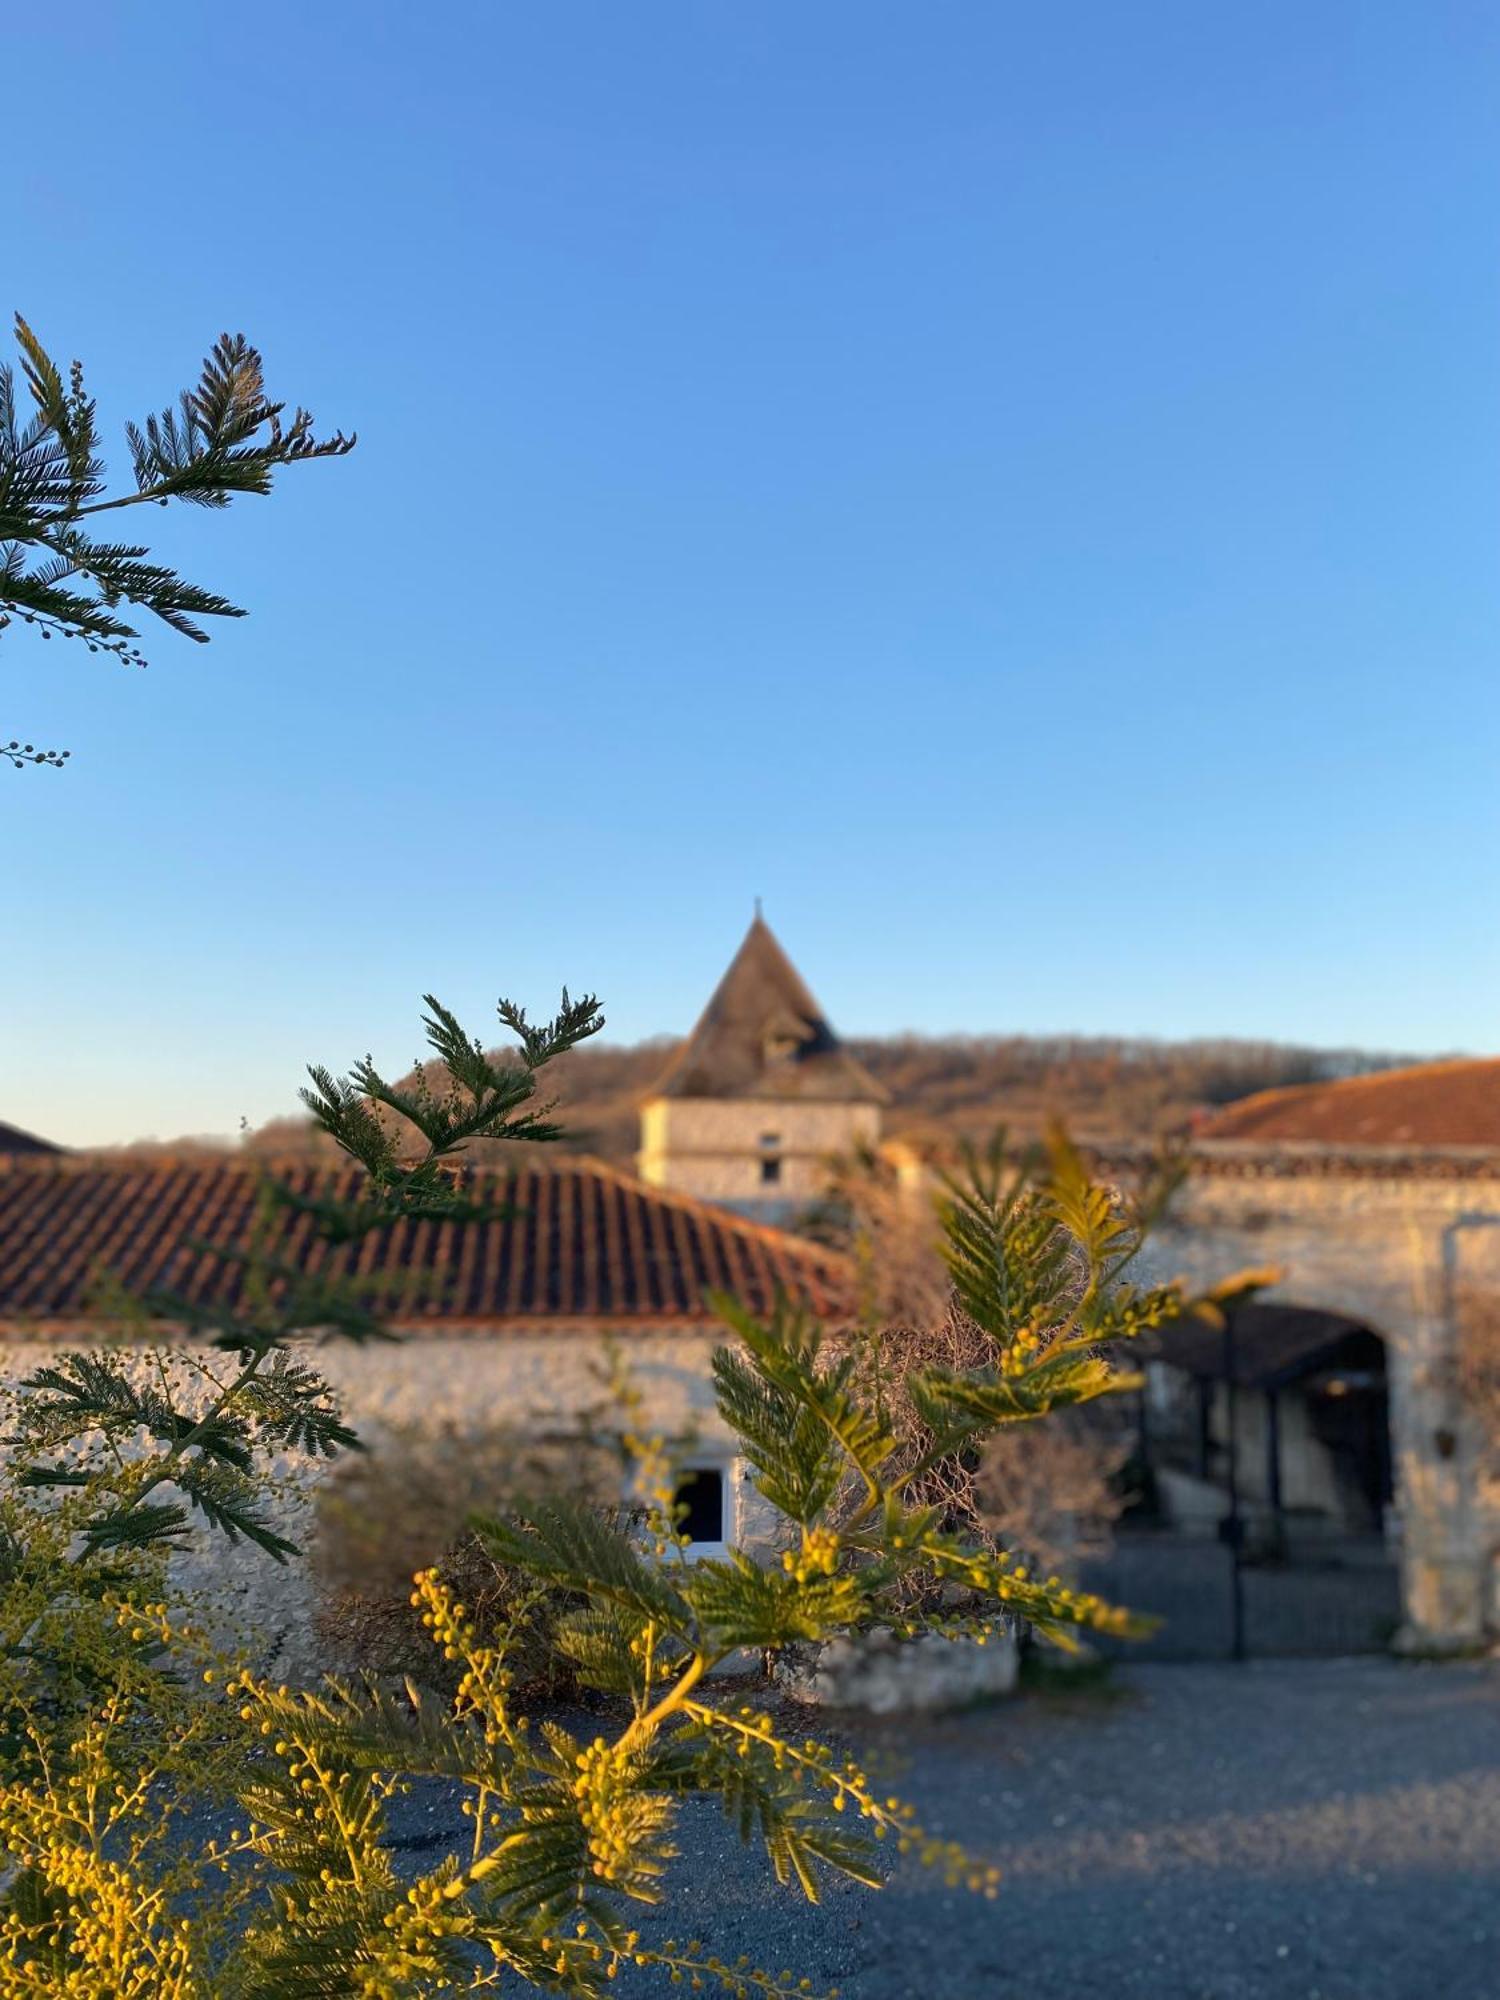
760,1096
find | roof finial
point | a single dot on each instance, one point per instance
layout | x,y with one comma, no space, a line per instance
758,917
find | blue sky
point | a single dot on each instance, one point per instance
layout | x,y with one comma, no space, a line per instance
1014,487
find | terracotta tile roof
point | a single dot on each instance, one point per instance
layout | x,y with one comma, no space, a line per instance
582,1242
1430,1104
763,1035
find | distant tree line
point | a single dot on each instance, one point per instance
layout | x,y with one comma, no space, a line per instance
943,1087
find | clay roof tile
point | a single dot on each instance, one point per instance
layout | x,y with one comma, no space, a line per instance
1428,1104
578,1241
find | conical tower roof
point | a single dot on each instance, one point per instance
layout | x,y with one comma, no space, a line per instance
763,1035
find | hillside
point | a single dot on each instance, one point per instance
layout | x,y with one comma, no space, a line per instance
956,1086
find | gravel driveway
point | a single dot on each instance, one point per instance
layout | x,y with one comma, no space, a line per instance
1328,1830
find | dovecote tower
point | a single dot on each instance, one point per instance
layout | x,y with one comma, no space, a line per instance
760,1096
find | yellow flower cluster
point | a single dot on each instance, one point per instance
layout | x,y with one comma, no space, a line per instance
1021,1352
484,1683
603,1790
818,1555
685,1964
119,1941
428,1914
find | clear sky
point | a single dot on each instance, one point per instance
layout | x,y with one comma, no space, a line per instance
1013,486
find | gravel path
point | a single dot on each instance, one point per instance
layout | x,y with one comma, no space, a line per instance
1328,1830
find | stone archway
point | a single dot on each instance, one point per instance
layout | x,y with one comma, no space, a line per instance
1388,1240
1286,1406
1264,1524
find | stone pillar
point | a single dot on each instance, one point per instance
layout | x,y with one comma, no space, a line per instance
1450,1533
1444,1553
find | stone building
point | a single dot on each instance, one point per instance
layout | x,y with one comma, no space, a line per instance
503,1323
1341,1403
760,1097
1343,1390
1377,1199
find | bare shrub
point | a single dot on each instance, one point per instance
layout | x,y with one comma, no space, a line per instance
1058,1500
889,1228
407,1506
1053,1498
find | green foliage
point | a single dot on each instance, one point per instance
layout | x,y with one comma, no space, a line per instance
303,1895
372,1120
198,1430
113,1456
1038,1253
224,437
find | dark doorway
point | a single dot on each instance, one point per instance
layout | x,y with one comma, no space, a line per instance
1266,1484
700,1504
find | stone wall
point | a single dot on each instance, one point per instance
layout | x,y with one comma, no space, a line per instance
713,1148
543,1384
883,1675
1390,1240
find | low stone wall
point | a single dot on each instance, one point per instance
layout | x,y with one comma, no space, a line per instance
882,1675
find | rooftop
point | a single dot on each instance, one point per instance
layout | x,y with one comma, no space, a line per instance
580,1241
762,1034
1430,1104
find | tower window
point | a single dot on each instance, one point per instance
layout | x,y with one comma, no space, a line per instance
700,1492
770,1170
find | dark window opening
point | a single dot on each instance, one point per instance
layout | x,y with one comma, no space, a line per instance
770,1170
700,1504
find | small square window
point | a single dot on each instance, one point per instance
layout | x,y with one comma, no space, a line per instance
700,1491
770,1171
